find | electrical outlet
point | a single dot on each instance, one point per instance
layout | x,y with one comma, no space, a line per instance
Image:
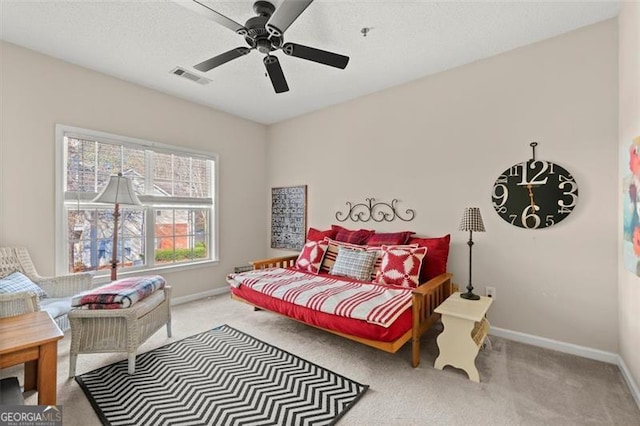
490,292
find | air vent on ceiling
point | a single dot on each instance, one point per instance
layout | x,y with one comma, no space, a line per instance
181,72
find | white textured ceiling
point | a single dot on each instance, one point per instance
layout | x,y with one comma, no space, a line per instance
142,41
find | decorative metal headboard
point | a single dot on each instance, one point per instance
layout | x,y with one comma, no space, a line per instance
376,211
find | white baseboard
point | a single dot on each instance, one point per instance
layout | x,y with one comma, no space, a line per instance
197,296
570,348
633,386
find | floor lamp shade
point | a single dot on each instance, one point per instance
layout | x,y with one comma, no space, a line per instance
119,190
471,221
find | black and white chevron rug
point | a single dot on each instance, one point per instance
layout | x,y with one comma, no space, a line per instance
220,377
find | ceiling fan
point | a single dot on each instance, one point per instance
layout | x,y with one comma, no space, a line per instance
265,32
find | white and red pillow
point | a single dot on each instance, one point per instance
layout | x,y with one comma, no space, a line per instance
401,266
378,250
311,256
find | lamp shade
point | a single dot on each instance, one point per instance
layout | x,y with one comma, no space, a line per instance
119,190
471,220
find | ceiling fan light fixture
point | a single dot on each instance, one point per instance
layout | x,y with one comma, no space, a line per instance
264,33
264,45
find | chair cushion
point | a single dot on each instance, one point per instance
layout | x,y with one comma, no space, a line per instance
18,282
56,306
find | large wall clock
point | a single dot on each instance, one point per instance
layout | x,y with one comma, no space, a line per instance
534,194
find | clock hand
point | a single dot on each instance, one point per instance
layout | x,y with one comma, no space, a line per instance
533,204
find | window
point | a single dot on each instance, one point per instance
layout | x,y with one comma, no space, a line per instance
174,226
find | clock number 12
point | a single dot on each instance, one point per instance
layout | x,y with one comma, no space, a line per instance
544,168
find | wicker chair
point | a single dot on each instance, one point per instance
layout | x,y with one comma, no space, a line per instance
58,289
118,330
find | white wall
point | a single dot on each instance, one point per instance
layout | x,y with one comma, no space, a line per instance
439,143
629,127
38,91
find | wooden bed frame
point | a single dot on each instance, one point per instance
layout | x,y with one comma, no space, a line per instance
426,297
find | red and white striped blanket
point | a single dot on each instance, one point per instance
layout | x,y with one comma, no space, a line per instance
373,303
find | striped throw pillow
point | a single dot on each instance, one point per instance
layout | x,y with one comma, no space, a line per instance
332,253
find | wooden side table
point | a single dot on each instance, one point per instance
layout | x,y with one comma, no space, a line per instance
465,328
32,339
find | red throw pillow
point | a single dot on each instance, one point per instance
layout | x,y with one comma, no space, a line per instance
311,256
350,236
315,235
436,260
401,267
389,238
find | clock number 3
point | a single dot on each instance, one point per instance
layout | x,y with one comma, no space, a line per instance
569,188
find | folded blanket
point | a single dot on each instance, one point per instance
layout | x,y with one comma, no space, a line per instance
373,303
119,294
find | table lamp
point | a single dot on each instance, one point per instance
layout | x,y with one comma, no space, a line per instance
471,221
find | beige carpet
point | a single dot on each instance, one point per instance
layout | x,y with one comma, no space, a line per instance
520,384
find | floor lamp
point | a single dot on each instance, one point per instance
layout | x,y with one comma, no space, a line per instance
118,191
471,221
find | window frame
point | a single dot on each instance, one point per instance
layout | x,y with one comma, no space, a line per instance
61,256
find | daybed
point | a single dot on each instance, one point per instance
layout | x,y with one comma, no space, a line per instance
284,285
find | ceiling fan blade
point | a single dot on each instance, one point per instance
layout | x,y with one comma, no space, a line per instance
200,7
285,14
275,74
316,55
223,58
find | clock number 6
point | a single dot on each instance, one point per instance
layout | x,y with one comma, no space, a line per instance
530,213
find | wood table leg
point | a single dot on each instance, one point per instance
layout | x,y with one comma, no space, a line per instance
48,377
31,375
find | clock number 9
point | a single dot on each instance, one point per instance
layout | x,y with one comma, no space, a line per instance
500,193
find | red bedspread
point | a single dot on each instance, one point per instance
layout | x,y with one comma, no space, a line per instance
355,327
373,303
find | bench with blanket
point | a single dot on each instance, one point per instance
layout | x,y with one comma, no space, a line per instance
365,309
119,317
119,294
